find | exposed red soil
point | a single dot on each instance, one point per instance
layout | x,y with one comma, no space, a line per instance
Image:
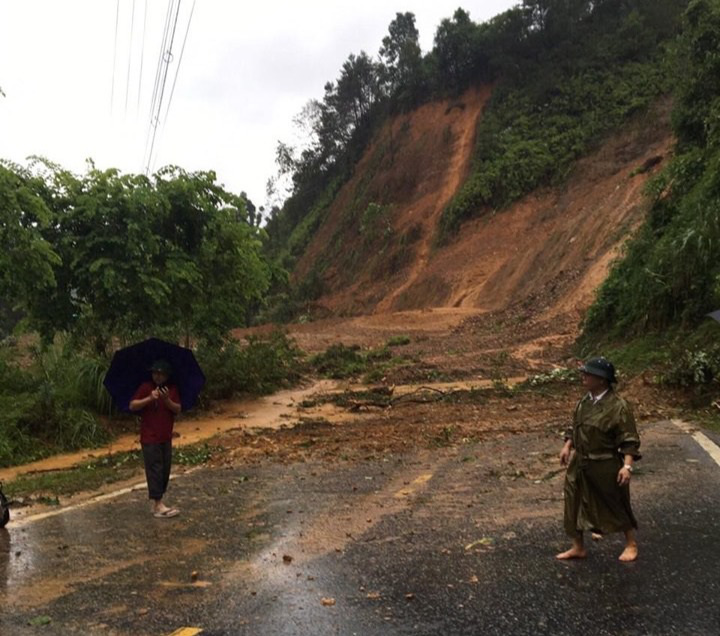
552,249
505,298
415,165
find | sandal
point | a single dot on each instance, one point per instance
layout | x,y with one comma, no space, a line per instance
165,514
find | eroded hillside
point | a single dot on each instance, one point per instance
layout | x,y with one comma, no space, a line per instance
376,250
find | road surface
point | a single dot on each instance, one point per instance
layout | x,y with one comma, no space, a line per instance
456,540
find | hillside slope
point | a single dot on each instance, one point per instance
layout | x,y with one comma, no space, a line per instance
411,170
552,248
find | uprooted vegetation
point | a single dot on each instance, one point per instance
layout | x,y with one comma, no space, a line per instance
340,361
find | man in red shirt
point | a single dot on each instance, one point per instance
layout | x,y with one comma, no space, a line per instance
158,404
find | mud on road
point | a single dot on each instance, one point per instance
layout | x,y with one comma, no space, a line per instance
381,509
455,539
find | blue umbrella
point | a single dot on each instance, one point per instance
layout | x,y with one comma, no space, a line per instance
714,314
130,367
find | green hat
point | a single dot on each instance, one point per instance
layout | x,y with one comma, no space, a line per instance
163,366
600,367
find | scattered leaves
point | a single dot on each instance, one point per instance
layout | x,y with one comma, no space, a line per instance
485,541
39,621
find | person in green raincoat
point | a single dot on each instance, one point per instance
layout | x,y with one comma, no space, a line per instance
600,449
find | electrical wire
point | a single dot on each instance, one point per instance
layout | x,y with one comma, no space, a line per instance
177,70
142,57
156,83
130,49
158,69
112,86
168,59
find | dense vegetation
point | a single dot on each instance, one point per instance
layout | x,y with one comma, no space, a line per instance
108,256
669,277
580,70
94,261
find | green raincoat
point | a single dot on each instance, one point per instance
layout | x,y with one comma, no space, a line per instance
602,433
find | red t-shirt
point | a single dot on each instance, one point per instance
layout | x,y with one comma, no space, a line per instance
156,419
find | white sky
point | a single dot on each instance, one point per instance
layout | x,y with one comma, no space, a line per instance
247,70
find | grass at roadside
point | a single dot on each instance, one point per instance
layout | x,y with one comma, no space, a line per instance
52,398
46,487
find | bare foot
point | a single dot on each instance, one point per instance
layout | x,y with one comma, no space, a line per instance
572,553
630,553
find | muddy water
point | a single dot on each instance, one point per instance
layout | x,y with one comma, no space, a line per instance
274,411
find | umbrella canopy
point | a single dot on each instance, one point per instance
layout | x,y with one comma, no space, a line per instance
130,367
715,315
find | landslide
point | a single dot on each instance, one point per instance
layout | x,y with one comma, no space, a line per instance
375,251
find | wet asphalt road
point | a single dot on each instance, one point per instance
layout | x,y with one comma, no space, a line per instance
451,541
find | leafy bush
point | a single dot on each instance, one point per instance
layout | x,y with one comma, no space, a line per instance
50,405
339,361
260,367
694,368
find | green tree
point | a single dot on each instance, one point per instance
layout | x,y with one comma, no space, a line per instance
402,59
174,255
455,51
696,118
27,260
670,274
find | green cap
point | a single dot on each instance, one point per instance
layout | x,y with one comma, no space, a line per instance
163,366
601,367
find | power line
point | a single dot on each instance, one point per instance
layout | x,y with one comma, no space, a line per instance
180,59
142,57
177,69
161,53
167,58
156,84
112,86
130,48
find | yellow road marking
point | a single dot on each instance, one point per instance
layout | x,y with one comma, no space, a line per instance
413,485
187,631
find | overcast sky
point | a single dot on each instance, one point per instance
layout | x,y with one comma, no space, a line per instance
247,70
